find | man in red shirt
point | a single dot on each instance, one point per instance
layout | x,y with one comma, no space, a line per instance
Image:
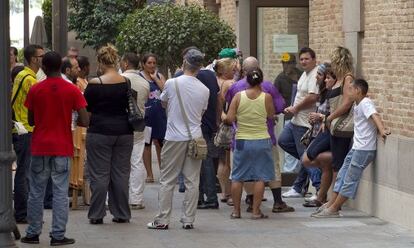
50,104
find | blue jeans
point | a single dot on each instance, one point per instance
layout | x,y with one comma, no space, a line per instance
349,175
208,171
289,141
21,144
43,168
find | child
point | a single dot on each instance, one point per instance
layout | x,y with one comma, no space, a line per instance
367,124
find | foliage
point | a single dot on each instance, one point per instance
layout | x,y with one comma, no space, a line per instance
20,55
96,21
47,19
16,6
167,29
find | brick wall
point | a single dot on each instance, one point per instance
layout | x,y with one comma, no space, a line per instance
387,53
387,61
228,12
325,27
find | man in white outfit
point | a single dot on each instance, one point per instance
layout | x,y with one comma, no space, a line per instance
129,65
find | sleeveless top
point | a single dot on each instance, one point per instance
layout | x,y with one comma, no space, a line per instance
251,118
155,115
335,95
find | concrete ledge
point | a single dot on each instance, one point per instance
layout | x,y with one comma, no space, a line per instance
385,203
387,186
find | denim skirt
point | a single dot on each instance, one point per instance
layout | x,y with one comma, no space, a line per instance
253,161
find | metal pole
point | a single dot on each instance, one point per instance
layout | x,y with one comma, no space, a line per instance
7,222
26,23
60,26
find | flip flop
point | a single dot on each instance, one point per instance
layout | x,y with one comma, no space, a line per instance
261,216
234,216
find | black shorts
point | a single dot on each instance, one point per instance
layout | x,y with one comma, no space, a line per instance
339,148
321,143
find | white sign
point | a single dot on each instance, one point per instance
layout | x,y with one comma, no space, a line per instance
285,43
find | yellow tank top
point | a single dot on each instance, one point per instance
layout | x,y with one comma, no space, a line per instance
251,118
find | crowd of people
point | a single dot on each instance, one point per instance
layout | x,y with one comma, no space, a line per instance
329,134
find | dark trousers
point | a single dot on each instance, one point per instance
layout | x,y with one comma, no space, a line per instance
208,170
109,168
21,144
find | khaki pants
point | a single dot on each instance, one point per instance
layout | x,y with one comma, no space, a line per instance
174,160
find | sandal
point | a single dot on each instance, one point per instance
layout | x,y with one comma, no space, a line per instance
312,204
234,216
261,216
282,208
149,180
230,202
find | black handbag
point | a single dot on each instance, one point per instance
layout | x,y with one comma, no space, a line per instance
135,116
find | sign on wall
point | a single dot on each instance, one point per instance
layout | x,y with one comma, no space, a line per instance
285,43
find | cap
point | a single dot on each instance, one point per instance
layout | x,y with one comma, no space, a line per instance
322,68
194,57
288,58
227,53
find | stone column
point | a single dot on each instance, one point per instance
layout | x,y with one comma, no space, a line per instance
60,26
7,156
353,30
243,26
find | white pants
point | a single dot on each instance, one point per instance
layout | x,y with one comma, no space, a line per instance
138,172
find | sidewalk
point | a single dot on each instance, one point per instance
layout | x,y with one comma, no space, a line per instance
214,229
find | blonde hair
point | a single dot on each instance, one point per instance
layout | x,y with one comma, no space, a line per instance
108,55
341,61
224,65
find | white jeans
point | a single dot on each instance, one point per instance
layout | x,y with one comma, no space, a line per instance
138,172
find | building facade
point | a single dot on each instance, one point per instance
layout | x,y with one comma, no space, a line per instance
380,35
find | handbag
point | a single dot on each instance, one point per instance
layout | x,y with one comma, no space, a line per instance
135,116
306,137
343,126
197,148
224,136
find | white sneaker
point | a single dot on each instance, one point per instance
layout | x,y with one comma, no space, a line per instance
292,194
312,198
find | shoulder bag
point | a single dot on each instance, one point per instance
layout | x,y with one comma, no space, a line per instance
135,116
197,148
20,129
343,126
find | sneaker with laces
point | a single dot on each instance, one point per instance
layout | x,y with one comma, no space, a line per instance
188,226
326,213
64,241
312,198
292,194
30,240
156,225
